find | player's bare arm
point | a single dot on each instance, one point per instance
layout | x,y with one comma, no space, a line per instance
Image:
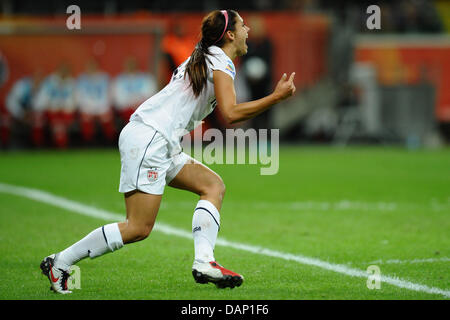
233,112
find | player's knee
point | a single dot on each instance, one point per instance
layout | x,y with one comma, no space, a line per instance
216,188
222,189
141,232
145,231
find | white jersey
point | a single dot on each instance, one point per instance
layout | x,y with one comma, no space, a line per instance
175,110
92,93
21,98
56,94
130,89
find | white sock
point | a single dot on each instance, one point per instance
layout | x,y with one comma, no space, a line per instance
205,226
100,241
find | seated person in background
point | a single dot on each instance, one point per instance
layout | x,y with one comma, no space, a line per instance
24,120
93,101
130,89
4,115
57,99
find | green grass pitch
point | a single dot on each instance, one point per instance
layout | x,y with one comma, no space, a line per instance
354,207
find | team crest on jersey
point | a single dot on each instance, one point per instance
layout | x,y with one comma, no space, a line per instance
152,175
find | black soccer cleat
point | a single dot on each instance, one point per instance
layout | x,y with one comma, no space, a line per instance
57,277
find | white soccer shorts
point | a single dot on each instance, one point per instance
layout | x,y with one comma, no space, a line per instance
146,163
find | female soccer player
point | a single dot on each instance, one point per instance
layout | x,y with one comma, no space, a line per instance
151,154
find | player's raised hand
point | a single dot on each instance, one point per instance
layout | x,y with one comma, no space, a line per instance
285,87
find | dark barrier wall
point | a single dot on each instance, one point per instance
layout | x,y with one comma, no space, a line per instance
300,43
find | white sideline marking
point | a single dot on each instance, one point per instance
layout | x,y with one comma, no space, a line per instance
342,205
339,205
396,261
80,208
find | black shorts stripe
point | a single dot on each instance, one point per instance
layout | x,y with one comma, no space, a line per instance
210,214
142,160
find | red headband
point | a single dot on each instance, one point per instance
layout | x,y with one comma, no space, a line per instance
225,13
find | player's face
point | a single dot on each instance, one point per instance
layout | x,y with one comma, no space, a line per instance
241,35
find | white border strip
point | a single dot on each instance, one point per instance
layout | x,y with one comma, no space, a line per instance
80,208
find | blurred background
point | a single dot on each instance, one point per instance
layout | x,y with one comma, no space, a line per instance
62,88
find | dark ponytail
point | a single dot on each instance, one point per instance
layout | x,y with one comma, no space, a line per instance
213,26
